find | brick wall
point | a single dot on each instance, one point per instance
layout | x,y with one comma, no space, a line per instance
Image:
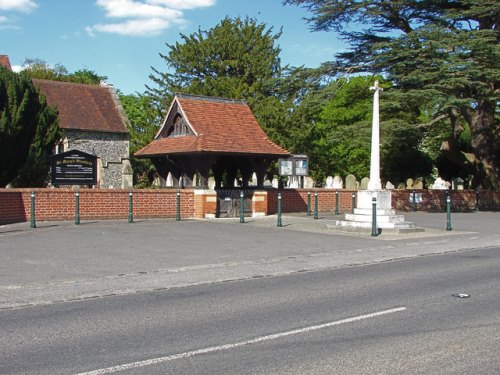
96,204
59,204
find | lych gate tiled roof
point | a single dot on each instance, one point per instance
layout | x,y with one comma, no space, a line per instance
5,62
219,125
84,107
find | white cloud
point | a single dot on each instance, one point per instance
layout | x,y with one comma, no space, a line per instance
143,27
25,6
16,68
144,17
183,4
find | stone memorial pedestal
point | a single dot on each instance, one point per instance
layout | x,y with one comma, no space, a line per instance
386,216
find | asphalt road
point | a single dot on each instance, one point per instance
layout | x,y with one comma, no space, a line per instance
393,317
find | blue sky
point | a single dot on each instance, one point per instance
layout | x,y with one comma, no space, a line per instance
122,39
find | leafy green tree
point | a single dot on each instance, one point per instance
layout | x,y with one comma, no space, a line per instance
442,52
27,128
342,134
143,125
38,68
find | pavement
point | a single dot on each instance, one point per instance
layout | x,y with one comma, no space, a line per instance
60,262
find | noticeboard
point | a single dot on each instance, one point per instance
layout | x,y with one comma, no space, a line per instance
74,168
296,165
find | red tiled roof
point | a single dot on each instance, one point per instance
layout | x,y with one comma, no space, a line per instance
5,62
220,125
83,107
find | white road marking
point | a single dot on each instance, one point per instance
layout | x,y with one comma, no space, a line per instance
214,349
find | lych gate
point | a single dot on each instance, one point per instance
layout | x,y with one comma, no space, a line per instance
206,136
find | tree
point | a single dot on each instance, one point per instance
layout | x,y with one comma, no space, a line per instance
143,125
342,134
239,59
27,125
38,68
442,52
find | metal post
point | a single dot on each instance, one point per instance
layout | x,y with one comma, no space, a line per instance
32,222
178,206
448,213
336,202
447,195
308,203
414,201
315,205
477,200
130,208
374,217
353,202
242,207
280,224
77,208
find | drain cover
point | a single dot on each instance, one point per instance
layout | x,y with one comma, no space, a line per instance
461,295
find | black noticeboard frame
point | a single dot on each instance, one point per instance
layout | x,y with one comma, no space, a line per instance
296,165
73,167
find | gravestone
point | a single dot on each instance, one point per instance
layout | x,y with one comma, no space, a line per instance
275,183
211,183
351,183
337,183
364,183
329,182
170,180
308,183
389,185
409,183
440,184
418,184
401,186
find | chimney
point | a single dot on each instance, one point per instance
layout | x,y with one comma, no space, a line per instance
4,61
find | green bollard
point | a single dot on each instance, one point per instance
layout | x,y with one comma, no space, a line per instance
130,208
32,222
337,202
448,213
280,224
315,205
477,200
242,207
374,217
77,208
353,201
414,201
308,203
447,195
178,206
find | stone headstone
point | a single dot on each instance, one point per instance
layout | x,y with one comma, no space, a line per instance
337,183
409,183
389,185
440,184
268,183
401,186
308,183
211,183
329,182
364,183
293,183
275,183
351,183
170,180
418,184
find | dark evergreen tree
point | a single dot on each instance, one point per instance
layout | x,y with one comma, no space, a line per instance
28,129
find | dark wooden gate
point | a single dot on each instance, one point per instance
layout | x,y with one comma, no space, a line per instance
228,202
